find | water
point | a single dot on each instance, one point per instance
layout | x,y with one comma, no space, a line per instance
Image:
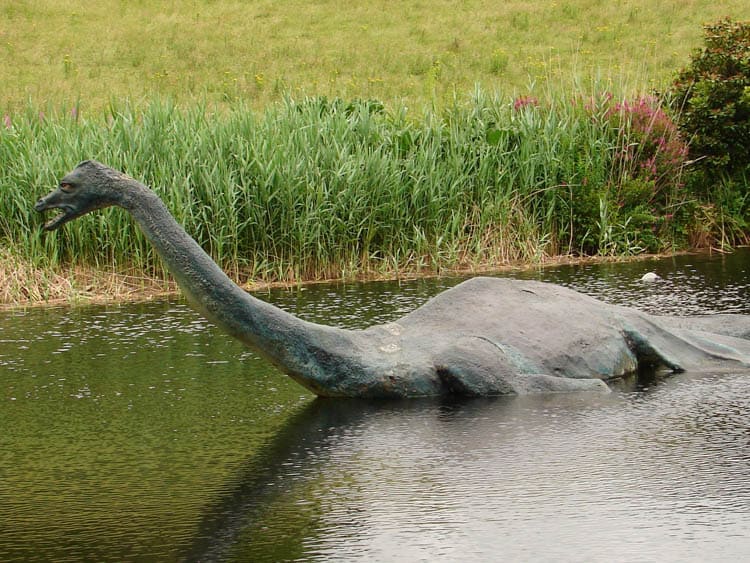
139,433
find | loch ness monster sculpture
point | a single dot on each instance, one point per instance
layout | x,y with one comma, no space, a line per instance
485,336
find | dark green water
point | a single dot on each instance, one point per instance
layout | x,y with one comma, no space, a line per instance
139,433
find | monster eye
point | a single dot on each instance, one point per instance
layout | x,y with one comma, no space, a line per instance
64,186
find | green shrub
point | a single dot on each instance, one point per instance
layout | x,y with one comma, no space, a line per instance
713,97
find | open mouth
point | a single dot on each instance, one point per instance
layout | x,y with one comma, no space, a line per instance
65,214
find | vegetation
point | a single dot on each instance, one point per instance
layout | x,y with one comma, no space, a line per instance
713,96
323,188
390,164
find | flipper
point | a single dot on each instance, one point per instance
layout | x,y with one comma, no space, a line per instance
477,367
681,349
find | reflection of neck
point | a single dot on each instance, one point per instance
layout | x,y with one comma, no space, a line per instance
303,441
290,343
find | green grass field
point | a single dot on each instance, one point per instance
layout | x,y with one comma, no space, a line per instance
66,53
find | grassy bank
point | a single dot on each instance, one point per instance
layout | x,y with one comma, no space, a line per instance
311,189
86,54
300,141
321,188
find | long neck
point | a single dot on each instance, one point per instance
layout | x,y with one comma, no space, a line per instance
293,345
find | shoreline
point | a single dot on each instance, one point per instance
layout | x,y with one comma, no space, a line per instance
74,286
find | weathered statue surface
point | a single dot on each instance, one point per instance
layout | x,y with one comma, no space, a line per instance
486,336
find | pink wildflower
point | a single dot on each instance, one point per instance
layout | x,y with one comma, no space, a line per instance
8,123
652,148
523,101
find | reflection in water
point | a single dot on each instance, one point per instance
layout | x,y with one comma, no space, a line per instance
291,455
140,433
629,476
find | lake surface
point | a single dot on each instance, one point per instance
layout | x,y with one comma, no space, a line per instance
140,433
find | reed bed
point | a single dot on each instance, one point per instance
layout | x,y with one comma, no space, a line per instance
319,188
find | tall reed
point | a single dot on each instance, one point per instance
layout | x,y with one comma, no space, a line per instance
317,188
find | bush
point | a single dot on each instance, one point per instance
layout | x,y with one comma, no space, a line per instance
713,97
